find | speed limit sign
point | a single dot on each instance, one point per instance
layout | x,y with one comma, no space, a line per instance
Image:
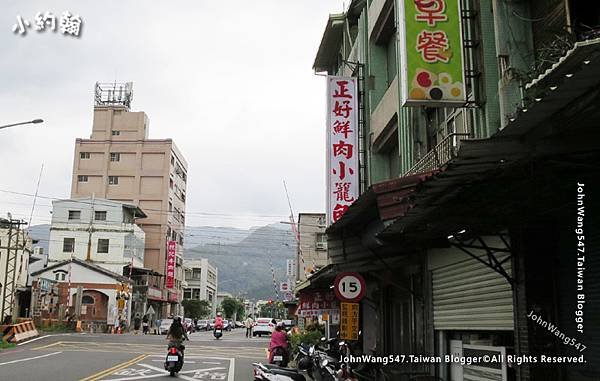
349,287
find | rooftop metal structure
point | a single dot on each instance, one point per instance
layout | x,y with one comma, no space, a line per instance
113,94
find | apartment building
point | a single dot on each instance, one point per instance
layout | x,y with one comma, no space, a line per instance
202,281
97,230
312,246
119,162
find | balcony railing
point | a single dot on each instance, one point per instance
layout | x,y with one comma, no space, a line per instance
440,155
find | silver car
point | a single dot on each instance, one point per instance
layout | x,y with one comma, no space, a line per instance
165,324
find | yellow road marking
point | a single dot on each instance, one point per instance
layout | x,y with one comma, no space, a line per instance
113,369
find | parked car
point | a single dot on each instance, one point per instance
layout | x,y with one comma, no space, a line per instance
187,324
227,325
263,326
211,323
203,325
288,324
165,324
239,324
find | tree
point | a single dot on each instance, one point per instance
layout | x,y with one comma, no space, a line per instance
195,308
231,306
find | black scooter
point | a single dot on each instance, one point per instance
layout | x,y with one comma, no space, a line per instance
218,332
174,361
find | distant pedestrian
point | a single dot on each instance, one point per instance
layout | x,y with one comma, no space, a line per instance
117,324
145,325
137,322
249,323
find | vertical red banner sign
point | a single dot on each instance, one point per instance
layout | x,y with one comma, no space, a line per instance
171,247
342,145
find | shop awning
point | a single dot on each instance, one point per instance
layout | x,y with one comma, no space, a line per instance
564,97
385,200
330,43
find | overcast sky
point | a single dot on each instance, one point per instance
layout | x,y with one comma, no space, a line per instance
231,82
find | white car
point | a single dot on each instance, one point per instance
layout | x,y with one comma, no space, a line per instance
165,324
263,326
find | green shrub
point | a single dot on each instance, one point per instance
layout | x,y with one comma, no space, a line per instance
309,337
4,344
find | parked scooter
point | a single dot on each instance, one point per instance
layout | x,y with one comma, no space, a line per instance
265,372
174,361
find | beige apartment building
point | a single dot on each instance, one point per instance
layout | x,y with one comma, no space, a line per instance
312,245
119,162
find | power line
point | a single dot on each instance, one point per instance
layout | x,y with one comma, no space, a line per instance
157,211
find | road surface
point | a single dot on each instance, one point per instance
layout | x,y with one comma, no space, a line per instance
94,357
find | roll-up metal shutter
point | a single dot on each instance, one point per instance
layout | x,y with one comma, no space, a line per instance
468,295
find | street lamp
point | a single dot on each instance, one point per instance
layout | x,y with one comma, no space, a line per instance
35,121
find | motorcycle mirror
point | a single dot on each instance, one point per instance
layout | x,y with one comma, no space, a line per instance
342,343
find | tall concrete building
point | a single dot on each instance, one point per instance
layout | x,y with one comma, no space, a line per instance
119,162
202,282
312,245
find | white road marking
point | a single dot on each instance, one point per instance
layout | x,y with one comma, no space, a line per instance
29,358
231,369
211,362
32,340
162,372
42,337
186,361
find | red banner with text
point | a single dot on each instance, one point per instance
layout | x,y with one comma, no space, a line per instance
171,247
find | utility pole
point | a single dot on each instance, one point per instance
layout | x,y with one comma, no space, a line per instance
10,274
89,245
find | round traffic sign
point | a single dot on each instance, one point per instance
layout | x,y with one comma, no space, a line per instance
349,287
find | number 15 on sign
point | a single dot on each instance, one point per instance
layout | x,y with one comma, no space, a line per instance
349,287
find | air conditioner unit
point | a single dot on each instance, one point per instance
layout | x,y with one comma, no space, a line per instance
321,246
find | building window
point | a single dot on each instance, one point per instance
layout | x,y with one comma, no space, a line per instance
60,276
171,183
196,273
84,155
172,160
102,246
100,215
115,156
321,241
321,222
116,133
86,299
74,214
68,245
82,178
113,180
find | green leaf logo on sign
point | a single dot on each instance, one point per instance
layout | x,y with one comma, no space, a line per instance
432,53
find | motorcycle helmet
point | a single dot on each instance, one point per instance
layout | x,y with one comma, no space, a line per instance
177,319
218,314
305,363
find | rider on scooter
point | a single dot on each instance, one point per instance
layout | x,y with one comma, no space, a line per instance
176,333
279,338
218,321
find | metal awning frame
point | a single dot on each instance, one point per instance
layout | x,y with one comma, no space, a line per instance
492,261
